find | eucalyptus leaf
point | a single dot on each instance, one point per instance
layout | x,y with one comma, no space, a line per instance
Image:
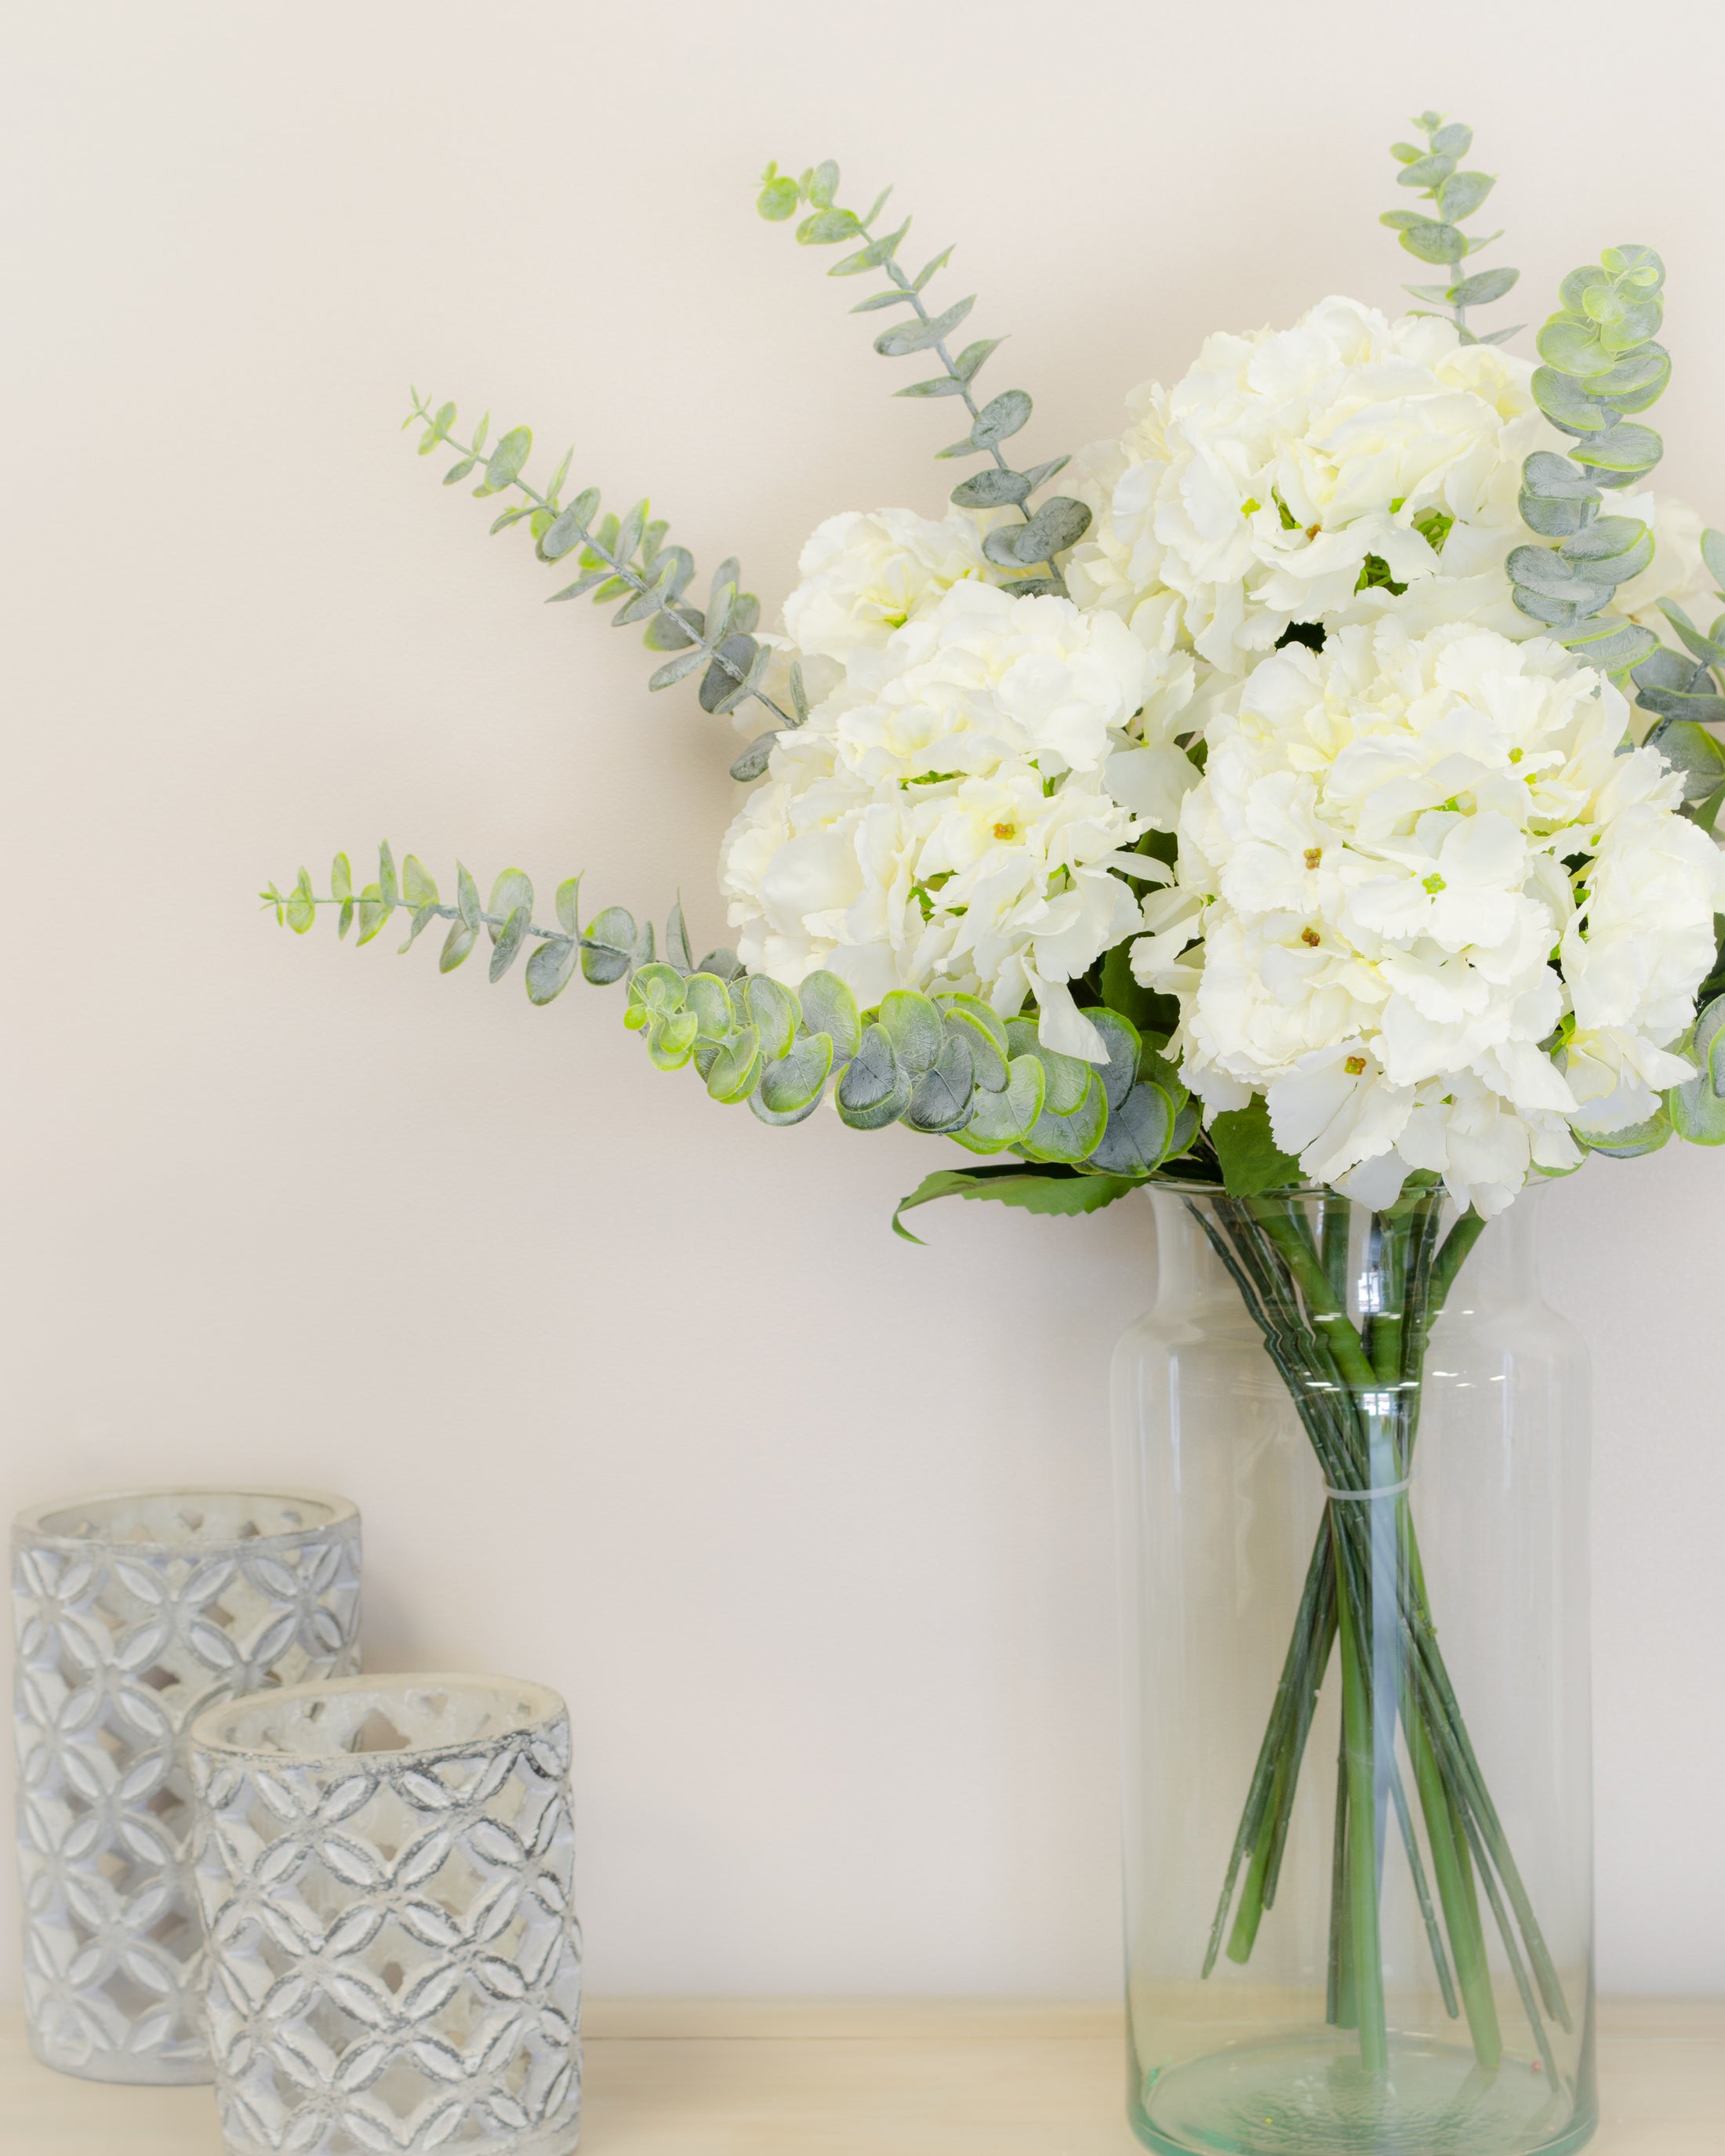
792,1085
460,941
941,1096
552,967
904,338
508,940
829,1008
912,1023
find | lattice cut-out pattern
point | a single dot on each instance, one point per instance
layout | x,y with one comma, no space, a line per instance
386,1870
132,1615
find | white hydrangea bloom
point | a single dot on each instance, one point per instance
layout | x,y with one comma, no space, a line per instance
1375,863
956,815
866,572
1257,487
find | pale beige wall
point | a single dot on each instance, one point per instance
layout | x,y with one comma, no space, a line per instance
639,1397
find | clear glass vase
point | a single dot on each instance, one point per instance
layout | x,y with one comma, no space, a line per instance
1353,1472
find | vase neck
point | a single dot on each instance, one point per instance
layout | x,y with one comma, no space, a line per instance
1501,1271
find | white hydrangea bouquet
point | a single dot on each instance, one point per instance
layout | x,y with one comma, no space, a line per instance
1319,793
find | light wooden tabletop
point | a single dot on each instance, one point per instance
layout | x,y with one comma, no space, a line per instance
694,2077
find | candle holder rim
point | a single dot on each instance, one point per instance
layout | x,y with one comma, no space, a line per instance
540,1707
31,1521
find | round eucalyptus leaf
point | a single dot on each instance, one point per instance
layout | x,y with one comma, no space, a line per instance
792,1085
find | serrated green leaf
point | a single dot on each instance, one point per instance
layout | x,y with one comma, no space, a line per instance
1252,1161
1047,1190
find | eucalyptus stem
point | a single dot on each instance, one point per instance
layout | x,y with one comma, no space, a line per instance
625,572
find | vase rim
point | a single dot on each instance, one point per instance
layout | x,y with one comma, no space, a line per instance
516,1706
37,1523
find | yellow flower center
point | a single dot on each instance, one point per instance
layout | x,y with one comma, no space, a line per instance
1355,1067
1006,830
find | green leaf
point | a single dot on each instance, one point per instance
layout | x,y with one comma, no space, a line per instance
1006,1117
1453,140
372,914
677,669
823,185
873,1090
1000,417
1251,1160
301,909
456,473
1072,1135
419,886
1138,1131
389,888
941,1096
509,939
1625,447
756,758
1483,286
1632,1141
772,1011
969,362
1696,1110
552,967
904,338
1690,749
779,200
467,898
984,1033
506,459
826,226
607,947
460,941
1461,195
938,385
1712,552
1120,1037
1433,241
792,1084
829,1007
514,888
992,489
1048,1190
568,896
735,1070
340,877
1428,172
912,1023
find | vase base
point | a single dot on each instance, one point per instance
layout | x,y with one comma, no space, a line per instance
1309,2096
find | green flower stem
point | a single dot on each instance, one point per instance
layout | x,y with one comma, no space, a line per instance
1455,1892
1372,1597
907,286
1358,1748
637,582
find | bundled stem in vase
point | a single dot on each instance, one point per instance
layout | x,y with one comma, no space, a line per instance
1358,1390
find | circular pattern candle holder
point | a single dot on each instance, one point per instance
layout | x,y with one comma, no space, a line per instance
385,1870
133,1613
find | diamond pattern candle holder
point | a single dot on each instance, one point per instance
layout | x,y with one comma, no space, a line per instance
133,1613
385,1869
